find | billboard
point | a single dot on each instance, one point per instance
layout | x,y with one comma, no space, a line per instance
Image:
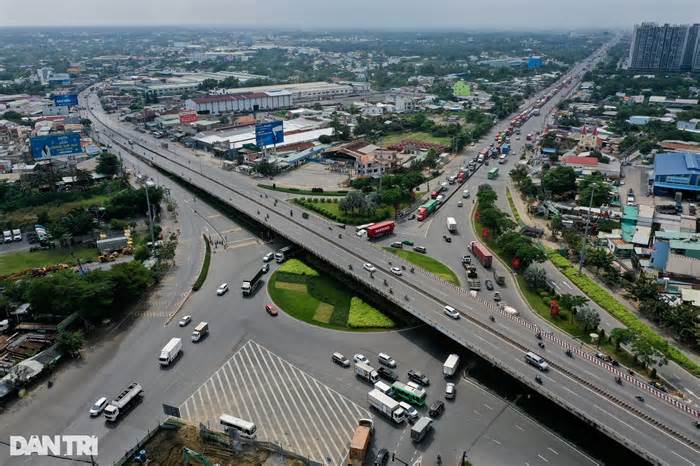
55,145
65,100
188,117
269,133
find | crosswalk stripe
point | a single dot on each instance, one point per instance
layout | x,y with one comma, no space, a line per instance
338,435
254,405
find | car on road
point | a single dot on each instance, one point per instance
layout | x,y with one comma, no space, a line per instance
451,312
222,289
447,238
185,320
460,204
489,285
411,412
359,358
407,242
98,407
436,409
497,296
420,249
382,458
396,271
387,374
271,309
418,377
340,359
266,268
397,244
268,257
466,259
369,267
450,391
386,360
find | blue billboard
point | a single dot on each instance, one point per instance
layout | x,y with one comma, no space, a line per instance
534,61
269,133
65,100
55,145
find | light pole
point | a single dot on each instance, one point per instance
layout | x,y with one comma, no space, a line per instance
585,233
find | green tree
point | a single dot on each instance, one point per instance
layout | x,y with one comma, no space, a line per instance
559,180
621,336
588,317
647,352
108,164
536,277
69,343
594,185
572,302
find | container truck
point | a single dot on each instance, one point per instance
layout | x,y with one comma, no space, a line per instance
461,177
360,442
248,287
366,372
505,149
451,225
481,253
170,351
124,401
200,331
380,229
386,405
426,209
450,366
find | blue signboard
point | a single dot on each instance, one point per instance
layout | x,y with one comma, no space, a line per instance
269,133
534,61
55,145
65,100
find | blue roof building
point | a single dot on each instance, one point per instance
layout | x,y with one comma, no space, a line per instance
676,171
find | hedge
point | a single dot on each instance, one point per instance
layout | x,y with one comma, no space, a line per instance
620,312
297,267
205,266
362,315
516,215
312,191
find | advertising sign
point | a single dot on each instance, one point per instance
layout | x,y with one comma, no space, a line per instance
188,117
269,133
55,145
65,100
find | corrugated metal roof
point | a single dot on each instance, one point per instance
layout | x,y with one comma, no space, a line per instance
676,163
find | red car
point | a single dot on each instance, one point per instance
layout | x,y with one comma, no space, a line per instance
271,309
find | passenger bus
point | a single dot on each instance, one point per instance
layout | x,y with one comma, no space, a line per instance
415,396
493,173
244,428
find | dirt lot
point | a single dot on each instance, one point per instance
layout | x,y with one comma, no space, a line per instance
311,175
165,449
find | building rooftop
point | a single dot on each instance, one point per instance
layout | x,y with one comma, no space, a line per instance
676,163
577,160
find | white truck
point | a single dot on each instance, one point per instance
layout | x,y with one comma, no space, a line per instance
451,224
386,405
7,236
200,331
125,400
170,351
366,372
450,366
17,234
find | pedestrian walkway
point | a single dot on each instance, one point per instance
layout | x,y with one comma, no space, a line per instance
288,406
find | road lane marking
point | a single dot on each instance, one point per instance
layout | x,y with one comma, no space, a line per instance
683,458
488,407
552,450
520,428
543,458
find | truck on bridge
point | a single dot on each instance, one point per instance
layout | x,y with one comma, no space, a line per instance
248,287
386,405
380,229
124,401
481,253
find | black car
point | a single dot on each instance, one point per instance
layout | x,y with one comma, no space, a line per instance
418,377
387,374
382,458
436,409
489,285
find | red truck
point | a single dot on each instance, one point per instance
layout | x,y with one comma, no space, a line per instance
481,253
461,176
434,194
380,229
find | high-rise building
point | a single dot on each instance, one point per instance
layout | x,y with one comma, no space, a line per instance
668,47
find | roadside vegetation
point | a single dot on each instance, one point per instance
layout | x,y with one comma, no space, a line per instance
300,291
427,263
205,266
305,192
13,262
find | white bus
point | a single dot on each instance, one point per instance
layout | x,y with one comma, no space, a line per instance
363,227
245,428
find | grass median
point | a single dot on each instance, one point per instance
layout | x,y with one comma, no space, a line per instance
205,266
427,263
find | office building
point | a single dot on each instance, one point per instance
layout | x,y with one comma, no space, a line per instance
667,47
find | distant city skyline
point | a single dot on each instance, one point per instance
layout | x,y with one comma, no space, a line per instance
356,14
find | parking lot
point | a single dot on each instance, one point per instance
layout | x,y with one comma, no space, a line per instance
311,175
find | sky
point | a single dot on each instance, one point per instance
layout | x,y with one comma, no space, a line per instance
352,14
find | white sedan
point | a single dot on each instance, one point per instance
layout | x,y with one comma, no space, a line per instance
360,358
396,271
184,321
369,267
223,288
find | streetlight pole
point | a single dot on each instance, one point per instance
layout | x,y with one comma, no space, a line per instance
585,233
150,218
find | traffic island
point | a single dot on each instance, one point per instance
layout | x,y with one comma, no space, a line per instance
427,263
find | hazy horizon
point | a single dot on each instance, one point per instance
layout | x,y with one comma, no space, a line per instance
437,15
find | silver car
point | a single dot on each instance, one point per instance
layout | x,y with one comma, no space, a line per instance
98,407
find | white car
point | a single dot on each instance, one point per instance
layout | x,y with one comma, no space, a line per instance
450,391
184,321
414,385
223,288
396,271
98,407
268,257
411,412
369,267
359,358
451,312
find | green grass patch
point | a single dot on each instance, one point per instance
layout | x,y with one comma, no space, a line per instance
14,262
605,300
362,315
205,266
306,192
414,136
28,215
297,267
321,300
516,215
329,209
427,263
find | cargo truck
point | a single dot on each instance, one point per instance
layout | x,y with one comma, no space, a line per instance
426,209
451,225
421,428
360,442
450,366
170,352
461,177
16,234
248,287
481,253
505,149
200,331
474,284
380,229
386,405
124,401
366,372
499,277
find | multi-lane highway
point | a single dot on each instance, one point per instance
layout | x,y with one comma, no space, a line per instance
659,428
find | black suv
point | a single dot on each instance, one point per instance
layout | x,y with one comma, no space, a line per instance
382,458
387,374
418,377
436,409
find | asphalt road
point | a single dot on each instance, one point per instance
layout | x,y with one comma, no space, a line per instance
662,427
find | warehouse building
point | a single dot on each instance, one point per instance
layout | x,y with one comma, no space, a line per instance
240,102
677,172
310,92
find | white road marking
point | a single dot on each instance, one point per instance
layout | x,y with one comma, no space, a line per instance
552,450
520,428
683,458
488,407
566,284
543,458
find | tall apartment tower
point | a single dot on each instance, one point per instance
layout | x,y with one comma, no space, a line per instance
668,47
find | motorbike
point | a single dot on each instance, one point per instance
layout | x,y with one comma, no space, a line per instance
618,380
538,379
541,345
569,353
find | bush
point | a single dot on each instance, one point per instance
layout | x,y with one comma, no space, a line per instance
362,315
297,267
316,190
141,253
205,266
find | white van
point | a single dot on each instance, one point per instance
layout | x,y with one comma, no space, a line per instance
537,361
465,194
386,360
244,428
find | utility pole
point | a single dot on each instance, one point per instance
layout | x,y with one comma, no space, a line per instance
150,217
585,232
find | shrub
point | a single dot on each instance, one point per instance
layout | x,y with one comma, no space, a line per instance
362,315
205,266
316,190
297,267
